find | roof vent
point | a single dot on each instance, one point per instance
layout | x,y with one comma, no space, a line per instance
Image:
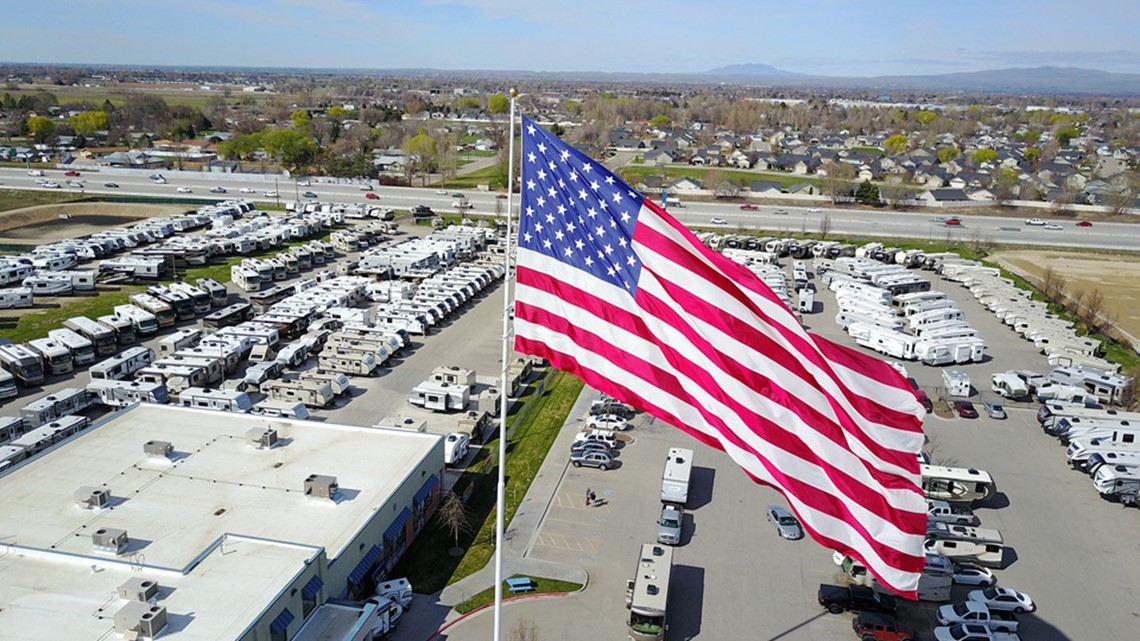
92,498
158,449
261,438
137,619
108,539
321,486
138,589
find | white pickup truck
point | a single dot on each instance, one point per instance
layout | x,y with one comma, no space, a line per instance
980,613
972,632
943,512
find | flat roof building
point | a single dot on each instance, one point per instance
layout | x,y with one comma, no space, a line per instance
238,532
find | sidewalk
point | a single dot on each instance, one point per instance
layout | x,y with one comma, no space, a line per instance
422,621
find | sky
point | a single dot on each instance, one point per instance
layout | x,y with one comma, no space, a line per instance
821,37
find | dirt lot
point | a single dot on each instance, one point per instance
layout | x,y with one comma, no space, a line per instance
1115,276
47,223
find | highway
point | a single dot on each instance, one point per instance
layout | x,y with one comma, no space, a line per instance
808,218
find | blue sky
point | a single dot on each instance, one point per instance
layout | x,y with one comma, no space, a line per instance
827,37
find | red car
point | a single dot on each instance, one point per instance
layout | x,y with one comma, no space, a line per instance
500,196
953,220
1084,223
371,196
965,409
750,207
71,172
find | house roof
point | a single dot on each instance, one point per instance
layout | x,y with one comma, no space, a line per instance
948,195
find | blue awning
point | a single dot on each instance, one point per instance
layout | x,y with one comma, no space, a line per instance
393,531
281,622
427,488
312,587
362,568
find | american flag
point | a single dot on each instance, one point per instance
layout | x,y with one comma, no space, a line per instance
613,289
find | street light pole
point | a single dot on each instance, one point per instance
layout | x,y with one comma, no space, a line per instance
276,191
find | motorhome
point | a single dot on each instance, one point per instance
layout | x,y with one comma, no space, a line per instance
123,328
1106,386
64,402
123,365
215,290
676,476
1118,482
245,278
175,377
182,304
310,392
956,485
257,333
23,363
16,297
101,336
213,367
229,316
199,298
117,393
221,400
230,350
7,386
82,350
181,339
56,357
288,326
267,297
647,593
145,323
439,396
161,311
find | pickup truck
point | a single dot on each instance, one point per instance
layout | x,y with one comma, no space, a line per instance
943,512
979,613
856,598
972,632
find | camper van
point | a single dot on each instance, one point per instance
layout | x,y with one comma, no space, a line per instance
123,328
56,357
24,364
215,399
144,322
676,476
101,336
439,396
113,393
955,484
122,366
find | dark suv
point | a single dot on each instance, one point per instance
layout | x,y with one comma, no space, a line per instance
857,598
873,626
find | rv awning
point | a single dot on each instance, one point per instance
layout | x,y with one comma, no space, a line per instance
312,588
427,488
361,569
282,622
393,531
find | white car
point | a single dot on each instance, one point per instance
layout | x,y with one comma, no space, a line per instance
270,194
608,422
305,183
1034,221
1003,599
604,436
36,172
1054,227
366,187
718,221
51,184
247,190
973,575
814,210
441,192
184,190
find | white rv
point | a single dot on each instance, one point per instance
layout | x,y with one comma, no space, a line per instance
1119,482
312,393
215,399
676,476
82,349
1009,385
16,297
123,365
113,393
956,485
439,396
56,357
65,402
957,383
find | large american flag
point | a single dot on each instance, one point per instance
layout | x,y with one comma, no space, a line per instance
613,289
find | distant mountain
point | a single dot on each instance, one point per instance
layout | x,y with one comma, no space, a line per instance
749,69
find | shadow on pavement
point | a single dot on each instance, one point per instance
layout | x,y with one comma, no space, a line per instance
701,487
688,599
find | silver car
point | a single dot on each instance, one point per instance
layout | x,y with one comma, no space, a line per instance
669,525
592,458
786,525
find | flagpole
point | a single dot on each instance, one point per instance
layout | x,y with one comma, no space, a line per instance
500,497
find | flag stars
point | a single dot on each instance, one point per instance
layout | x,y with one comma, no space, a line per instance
610,180
550,218
547,244
542,174
531,157
541,148
568,252
562,210
552,192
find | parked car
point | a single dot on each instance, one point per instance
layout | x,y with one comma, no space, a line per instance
617,408
371,196
601,446
927,404
1003,599
1034,221
1084,223
111,185
592,458
749,207
965,409
716,220
309,194
184,190
967,574
71,172
875,626
856,598
786,525
971,632
217,190
607,422
604,436
669,525
995,410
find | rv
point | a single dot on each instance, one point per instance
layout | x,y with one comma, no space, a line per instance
934,316
933,584
114,393
676,476
7,386
230,350
957,382
258,374
215,399
956,485
904,300
215,290
311,393
101,336
41,438
123,328
17,297
213,367
161,311
647,593
143,321
294,354
281,409
56,357
257,333
200,299
962,542
336,380
24,364
885,321
889,342
82,350
1059,392
439,396
350,362
229,316
1119,482
181,339
1125,459
180,303
918,307
245,278
1067,429
175,377
1009,385
1105,386
65,402
123,365
1081,450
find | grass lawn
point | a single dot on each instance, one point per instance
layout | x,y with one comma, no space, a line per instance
486,597
427,563
487,175
633,173
17,198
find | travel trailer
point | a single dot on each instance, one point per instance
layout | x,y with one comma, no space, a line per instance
117,393
956,485
215,399
123,365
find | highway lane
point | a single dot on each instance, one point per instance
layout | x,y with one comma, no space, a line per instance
795,219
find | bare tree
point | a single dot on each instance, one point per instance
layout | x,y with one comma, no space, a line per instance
720,184
1052,284
837,183
824,226
1093,307
454,516
897,195
524,630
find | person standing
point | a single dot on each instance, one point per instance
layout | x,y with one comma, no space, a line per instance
589,495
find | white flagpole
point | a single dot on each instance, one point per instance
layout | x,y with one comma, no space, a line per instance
500,498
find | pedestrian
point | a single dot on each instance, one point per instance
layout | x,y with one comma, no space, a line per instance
593,498
589,495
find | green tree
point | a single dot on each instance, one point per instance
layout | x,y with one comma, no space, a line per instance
88,122
300,120
337,112
240,147
1033,155
660,122
985,154
290,147
925,117
465,102
868,193
1066,134
41,128
421,152
948,153
497,103
896,144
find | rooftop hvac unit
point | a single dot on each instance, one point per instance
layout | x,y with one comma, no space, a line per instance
108,539
92,498
137,619
138,589
321,486
261,438
160,449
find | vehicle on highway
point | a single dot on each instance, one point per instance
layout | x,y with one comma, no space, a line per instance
965,409
855,598
953,221
36,172
786,525
874,626
966,574
814,210
749,207
781,212
51,184
71,172
503,196
1003,599
111,185
441,192
158,178
366,187
184,190
217,190
1084,223
1053,226
371,196
607,422
594,458
716,220
246,190
669,525
1034,221
309,194
271,194
995,410
305,182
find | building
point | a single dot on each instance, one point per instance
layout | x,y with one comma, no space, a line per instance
215,529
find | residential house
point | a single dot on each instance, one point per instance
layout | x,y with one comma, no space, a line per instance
659,157
804,188
765,187
132,160
942,197
686,184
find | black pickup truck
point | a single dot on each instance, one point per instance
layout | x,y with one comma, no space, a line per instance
856,598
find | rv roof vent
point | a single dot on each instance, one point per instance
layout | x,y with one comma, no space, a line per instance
261,437
137,619
658,551
108,539
652,589
161,449
92,498
321,486
138,589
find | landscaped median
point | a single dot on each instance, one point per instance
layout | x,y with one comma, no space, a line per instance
541,586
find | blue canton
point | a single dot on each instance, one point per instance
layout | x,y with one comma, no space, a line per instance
576,211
